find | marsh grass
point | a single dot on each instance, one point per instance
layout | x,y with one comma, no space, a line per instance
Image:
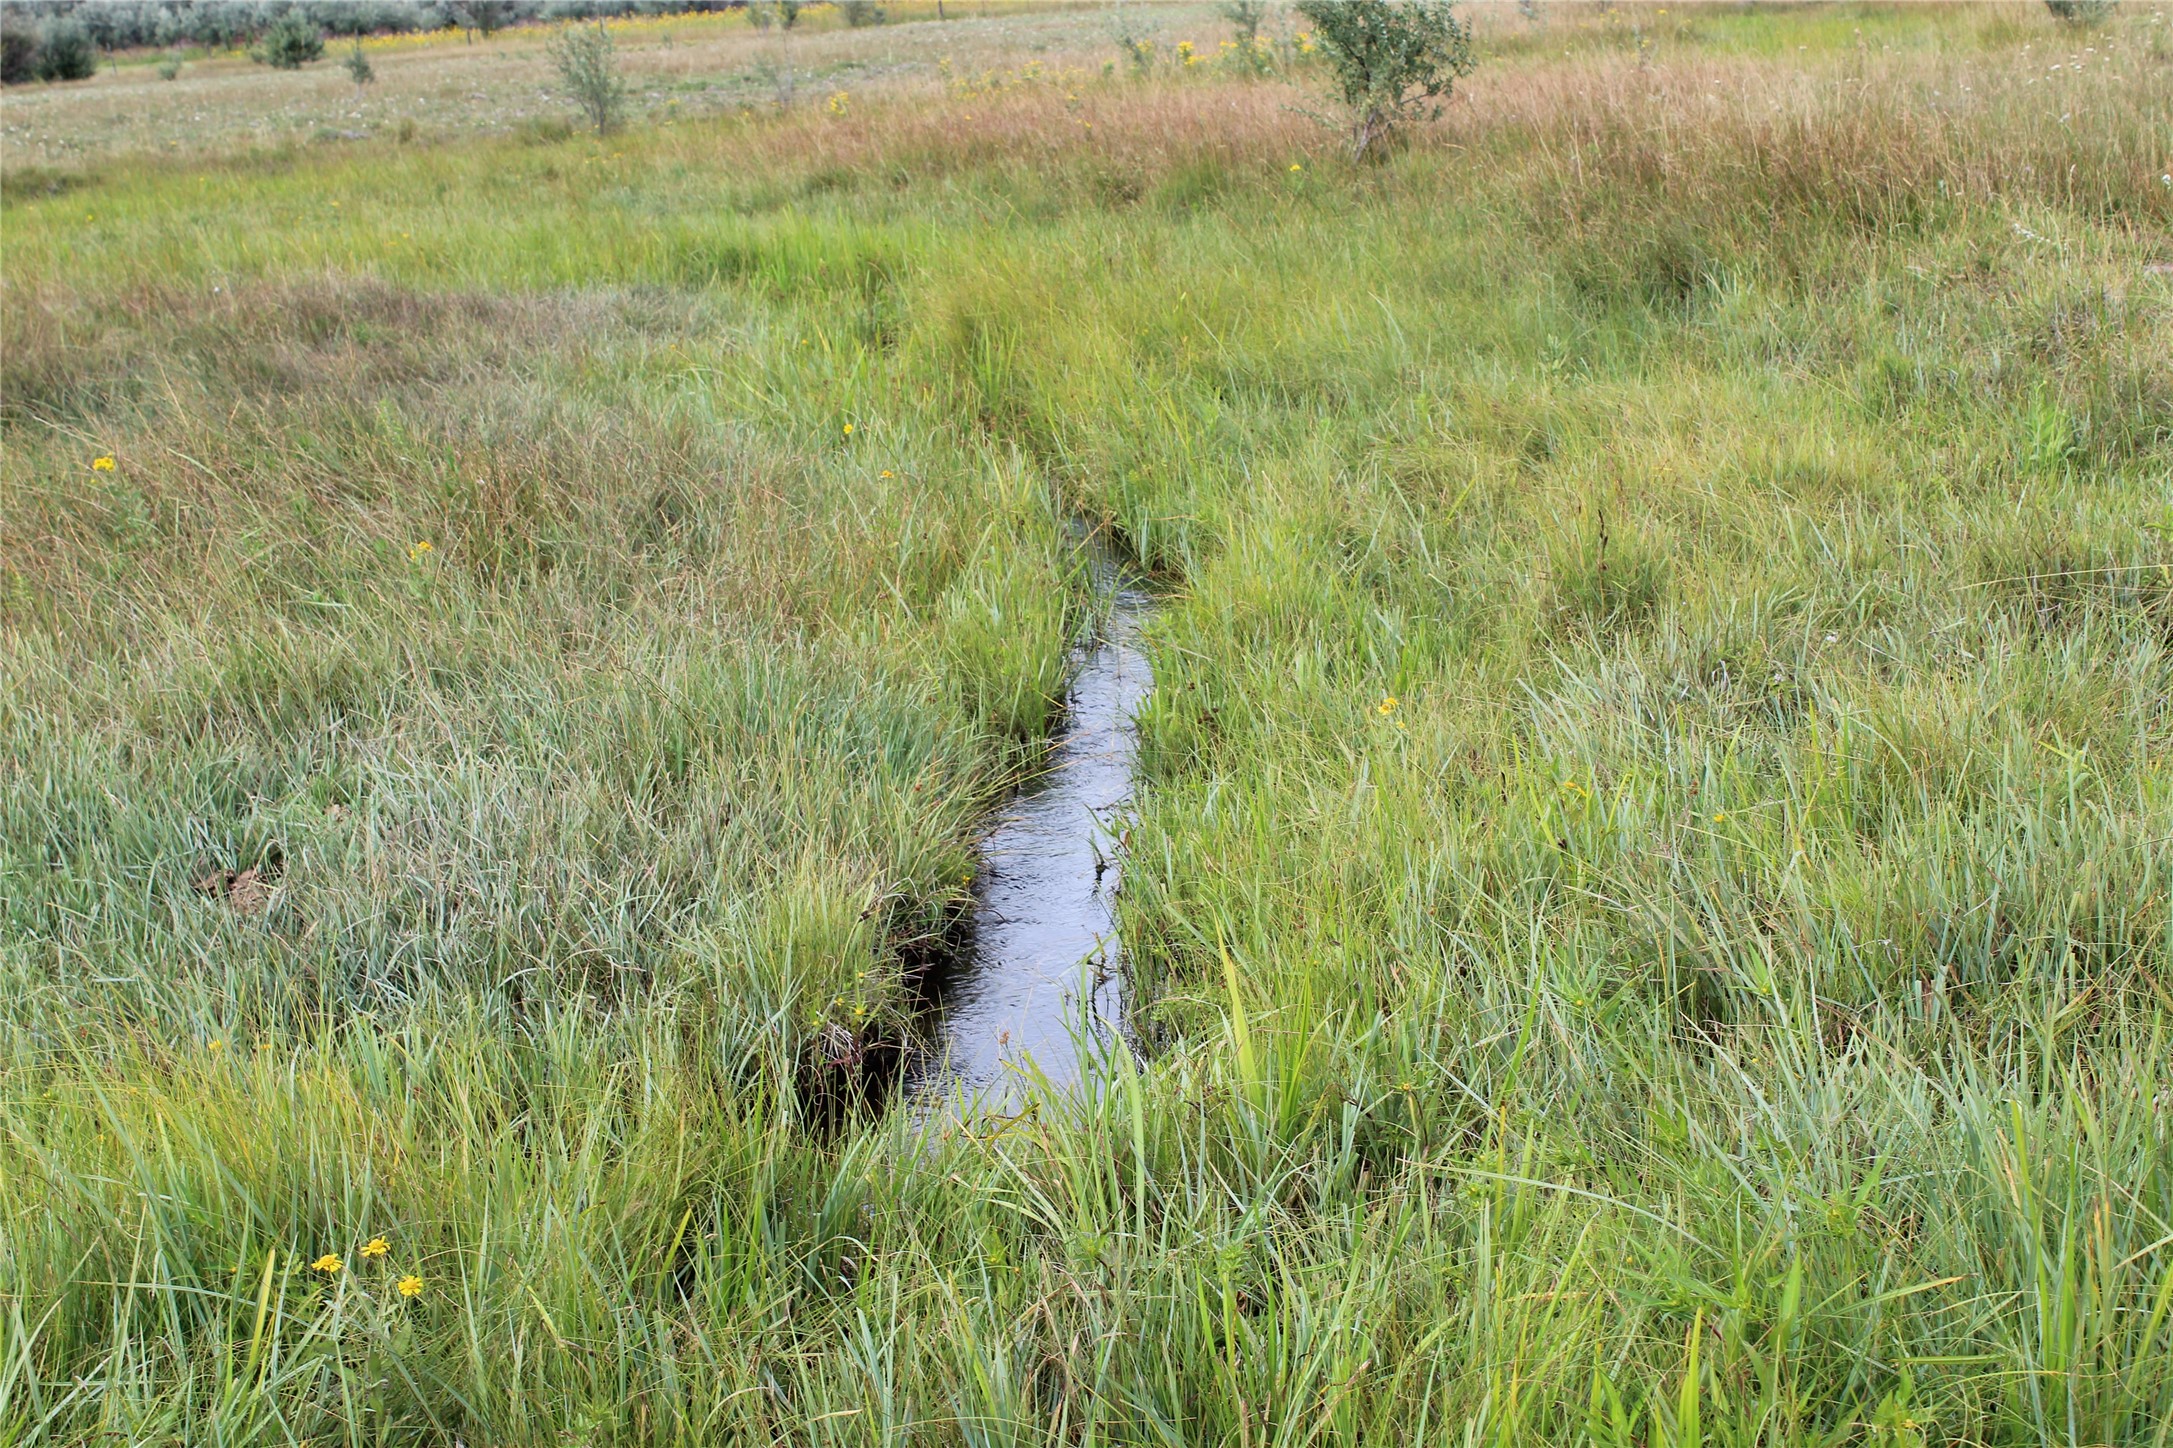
1649,898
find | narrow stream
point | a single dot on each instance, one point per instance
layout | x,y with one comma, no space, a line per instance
1041,977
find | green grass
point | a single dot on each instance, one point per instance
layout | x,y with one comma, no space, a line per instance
1650,900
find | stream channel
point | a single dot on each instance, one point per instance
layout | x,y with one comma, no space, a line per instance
1038,985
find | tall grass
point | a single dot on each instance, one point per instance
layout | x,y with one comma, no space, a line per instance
1649,903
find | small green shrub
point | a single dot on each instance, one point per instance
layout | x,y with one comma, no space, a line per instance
588,68
18,55
2082,14
169,68
860,13
1395,62
290,44
65,52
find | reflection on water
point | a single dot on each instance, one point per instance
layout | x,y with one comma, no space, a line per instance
1042,973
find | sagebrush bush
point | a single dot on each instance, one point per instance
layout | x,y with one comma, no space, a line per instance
1394,62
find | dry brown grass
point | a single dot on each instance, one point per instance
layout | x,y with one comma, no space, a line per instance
1875,135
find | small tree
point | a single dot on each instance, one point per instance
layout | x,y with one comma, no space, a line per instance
788,13
1247,49
1245,17
483,17
1395,62
779,78
290,44
2081,14
861,12
65,52
359,67
588,68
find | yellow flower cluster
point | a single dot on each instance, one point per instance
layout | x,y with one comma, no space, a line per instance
377,1249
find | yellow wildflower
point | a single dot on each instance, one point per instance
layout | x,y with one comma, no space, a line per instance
377,1247
1296,167
327,1264
411,1286
1386,706
848,429
888,473
417,549
102,465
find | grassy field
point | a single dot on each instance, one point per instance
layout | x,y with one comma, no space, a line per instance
429,88
1650,901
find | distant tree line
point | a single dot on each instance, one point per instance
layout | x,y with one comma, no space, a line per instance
130,24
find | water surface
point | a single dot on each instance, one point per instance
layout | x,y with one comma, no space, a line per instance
1041,976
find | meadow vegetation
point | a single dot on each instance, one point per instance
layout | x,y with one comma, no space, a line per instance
1649,907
